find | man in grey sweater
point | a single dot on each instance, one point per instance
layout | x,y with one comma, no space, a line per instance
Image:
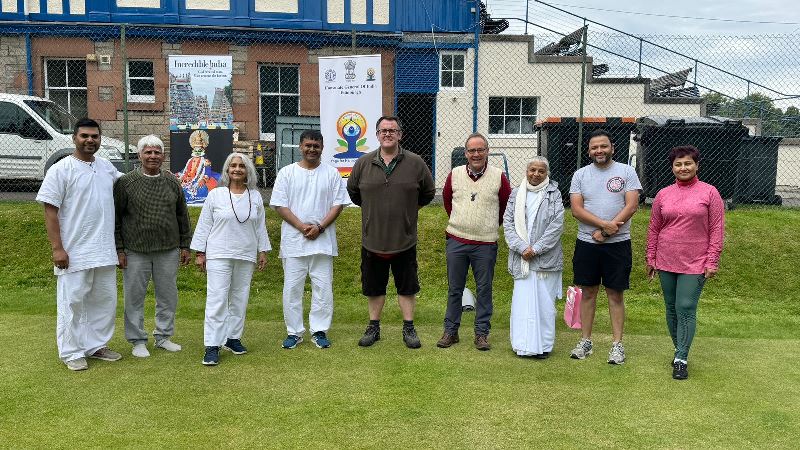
152,234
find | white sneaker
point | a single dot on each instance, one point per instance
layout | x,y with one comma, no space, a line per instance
582,350
617,354
168,345
77,364
140,351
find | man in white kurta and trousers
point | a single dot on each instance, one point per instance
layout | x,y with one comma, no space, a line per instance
77,194
309,196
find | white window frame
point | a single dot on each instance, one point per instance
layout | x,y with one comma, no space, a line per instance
453,71
136,98
271,136
504,116
68,89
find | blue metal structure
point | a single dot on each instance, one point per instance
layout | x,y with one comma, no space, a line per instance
440,16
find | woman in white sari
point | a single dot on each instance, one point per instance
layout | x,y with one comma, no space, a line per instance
533,224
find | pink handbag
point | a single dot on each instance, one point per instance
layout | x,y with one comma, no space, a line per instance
572,307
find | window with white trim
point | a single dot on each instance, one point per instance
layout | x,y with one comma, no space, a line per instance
512,115
65,84
279,88
141,82
451,70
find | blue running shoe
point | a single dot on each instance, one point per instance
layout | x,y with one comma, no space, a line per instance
211,358
291,341
235,346
320,339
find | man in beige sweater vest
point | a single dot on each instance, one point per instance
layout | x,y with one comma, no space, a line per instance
475,197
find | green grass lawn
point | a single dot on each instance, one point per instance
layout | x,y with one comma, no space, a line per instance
742,392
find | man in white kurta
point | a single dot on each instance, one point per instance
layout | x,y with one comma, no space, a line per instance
309,196
77,194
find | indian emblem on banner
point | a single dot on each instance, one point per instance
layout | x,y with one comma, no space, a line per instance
350,67
330,75
370,74
351,126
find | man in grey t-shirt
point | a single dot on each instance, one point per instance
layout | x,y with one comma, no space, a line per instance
604,196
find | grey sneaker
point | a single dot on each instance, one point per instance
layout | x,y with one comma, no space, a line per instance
582,350
77,364
410,337
372,334
106,354
617,354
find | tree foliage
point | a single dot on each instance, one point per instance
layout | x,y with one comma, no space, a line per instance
775,121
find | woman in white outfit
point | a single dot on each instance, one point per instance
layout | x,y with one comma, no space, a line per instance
533,224
231,241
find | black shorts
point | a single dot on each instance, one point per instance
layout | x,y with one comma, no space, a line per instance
375,272
609,264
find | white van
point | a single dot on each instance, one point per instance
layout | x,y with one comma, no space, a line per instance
35,133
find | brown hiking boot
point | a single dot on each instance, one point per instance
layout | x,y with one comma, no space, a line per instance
482,342
447,340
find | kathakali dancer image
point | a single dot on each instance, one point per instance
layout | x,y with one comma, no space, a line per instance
197,178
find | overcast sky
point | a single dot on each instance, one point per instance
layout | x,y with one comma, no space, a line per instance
731,15
766,53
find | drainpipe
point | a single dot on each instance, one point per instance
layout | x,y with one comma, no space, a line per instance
29,62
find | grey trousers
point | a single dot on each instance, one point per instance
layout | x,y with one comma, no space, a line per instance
162,267
482,258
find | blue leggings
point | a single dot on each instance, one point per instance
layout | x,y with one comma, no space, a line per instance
681,295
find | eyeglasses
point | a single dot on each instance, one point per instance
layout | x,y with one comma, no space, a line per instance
481,151
389,131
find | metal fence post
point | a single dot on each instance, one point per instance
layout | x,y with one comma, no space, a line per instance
475,69
583,95
641,43
124,94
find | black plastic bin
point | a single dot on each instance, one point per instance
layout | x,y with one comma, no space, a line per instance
558,142
758,171
458,158
719,142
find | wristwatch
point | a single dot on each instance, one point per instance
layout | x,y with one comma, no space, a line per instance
603,233
321,228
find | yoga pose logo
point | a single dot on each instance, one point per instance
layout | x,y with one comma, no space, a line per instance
351,126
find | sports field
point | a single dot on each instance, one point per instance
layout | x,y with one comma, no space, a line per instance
742,392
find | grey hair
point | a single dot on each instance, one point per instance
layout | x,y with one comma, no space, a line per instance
539,159
252,178
477,135
151,140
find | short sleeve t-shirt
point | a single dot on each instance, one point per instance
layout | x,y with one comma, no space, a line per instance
84,196
309,195
603,191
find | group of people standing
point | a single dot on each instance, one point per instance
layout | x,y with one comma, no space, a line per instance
97,218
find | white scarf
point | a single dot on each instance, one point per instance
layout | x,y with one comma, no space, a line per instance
520,221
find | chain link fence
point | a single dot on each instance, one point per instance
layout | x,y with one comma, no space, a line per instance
537,93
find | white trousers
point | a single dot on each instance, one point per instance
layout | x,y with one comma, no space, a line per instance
533,313
320,269
227,293
86,306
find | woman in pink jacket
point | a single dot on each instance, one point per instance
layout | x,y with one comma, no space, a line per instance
684,241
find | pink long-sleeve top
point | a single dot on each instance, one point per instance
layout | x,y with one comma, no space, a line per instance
687,227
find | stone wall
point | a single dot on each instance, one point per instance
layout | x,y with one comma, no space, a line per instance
13,79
